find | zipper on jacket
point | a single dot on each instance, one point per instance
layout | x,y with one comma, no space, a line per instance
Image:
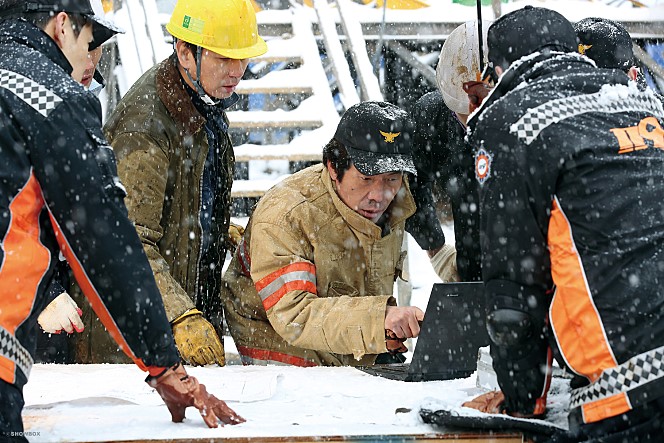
200,227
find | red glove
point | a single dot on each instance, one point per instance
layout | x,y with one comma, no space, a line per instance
393,343
490,402
494,403
476,91
179,390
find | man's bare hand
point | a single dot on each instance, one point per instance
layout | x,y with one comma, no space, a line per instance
403,321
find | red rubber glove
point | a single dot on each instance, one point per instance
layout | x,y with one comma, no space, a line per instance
494,403
393,343
179,391
477,92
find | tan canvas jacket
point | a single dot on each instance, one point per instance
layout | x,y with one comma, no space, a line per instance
321,276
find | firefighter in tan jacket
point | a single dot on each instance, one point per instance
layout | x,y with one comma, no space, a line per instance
311,283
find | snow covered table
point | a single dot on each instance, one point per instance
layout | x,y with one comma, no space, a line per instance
111,402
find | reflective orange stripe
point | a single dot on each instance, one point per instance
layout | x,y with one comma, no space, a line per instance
605,408
298,276
25,261
265,355
574,318
92,295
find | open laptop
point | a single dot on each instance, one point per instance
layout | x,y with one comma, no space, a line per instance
452,332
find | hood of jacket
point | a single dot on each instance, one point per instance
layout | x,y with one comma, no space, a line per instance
541,70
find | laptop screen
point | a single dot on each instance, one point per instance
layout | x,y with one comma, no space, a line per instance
453,330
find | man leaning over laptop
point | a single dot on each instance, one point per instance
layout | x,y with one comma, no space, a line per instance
311,283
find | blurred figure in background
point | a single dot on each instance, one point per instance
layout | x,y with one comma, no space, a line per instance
445,161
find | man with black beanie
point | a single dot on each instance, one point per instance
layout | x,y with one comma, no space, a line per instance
570,164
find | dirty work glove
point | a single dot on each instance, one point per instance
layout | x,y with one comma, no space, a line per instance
61,314
179,391
477,92
393,343
197,340
235,233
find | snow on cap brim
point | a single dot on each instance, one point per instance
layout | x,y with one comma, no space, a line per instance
102,29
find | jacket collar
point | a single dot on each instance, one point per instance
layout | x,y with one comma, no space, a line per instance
402,207
172,93
27,34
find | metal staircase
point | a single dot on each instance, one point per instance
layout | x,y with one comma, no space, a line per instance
310,123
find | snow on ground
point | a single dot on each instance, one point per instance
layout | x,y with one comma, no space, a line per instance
111,402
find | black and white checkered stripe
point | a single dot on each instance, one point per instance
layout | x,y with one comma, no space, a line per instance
629,376
13,350
42,99
611,99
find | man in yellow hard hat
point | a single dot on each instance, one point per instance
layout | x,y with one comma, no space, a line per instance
175,158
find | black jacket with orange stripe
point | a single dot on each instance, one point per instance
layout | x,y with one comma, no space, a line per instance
59,191
570,163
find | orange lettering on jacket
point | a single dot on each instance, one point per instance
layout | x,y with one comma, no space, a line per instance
634,138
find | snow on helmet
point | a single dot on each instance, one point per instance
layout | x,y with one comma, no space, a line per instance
459,62
226,27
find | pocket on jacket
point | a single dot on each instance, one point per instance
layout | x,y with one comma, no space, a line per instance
355,341
105,158
338,289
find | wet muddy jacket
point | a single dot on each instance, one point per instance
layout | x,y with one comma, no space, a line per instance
321,276
161,145
570,161
60,192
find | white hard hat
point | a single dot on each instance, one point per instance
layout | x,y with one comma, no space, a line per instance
459,62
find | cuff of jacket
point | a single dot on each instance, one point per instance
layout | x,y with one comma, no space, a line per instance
369,335
444,263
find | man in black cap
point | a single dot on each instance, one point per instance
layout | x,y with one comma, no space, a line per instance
570,163
60,194
608,44
311,282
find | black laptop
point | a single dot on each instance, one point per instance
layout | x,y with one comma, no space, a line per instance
452,332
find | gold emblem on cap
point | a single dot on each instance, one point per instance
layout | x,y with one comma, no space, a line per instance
389,136
583,48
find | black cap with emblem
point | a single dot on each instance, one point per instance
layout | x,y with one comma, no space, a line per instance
606,42
378,137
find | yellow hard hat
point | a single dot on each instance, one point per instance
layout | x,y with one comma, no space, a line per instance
226,27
